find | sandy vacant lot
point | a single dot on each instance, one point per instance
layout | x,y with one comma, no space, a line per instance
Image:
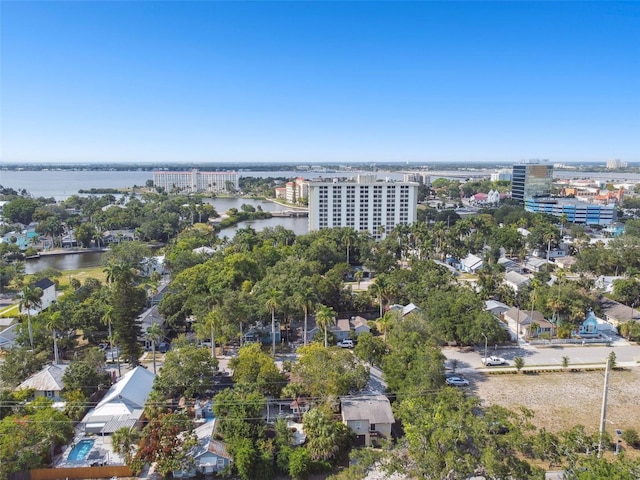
564,399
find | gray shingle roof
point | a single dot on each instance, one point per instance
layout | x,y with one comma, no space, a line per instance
374,409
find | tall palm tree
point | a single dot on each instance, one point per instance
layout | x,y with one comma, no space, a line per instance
273,301
31,298
305,298
54,323
155,334
207,328
324,317
349,236
107,319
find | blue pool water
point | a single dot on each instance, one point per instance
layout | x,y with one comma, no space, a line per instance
80,450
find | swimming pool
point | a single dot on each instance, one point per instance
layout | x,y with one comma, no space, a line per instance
80,450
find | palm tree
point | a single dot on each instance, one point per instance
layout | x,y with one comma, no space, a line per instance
119,273
207,327
31,298
349,235
124,440
324,317
155,334
305,299
358,276
54,323
382,289
273,301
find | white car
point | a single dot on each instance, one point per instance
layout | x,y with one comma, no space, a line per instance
348,343
457,382
493,360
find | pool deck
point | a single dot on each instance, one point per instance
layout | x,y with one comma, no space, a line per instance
100,442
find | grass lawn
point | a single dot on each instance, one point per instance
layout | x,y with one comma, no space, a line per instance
10,311
81,274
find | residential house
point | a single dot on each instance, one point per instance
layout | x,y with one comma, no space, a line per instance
404,309
516,281
509,265
46,383
343,328
545,327
210,455
152,264
471,263
149,318
204,251
22,239
496,308
8,337
123,404
589,327
370,417
535,264
566,262
605,283
49,294
117,236
616,313
359,325
68,240
520,320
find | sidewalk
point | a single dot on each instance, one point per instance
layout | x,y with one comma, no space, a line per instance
570,367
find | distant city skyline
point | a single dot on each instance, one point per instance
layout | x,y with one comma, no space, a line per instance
319,82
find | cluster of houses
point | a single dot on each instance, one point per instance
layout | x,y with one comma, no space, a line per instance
25,236
122,406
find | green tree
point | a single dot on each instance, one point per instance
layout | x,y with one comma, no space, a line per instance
446,436
31,297
272,303
19,364
20,210
187,371
75,404
326,438
325,316
82,375
125,442
254,368
370,349
329,372
518,362
28,441
155,335
305,299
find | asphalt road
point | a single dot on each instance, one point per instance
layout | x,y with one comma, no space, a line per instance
552,355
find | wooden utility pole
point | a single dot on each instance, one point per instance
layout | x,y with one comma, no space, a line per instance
603,414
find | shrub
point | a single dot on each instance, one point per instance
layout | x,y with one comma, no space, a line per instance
631,437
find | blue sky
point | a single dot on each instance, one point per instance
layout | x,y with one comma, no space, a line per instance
315,82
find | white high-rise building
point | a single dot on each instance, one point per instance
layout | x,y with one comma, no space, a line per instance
503,174
195,181
364,204
616,163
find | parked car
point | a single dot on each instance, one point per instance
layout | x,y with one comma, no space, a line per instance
457,382
348,343
164,347
493,360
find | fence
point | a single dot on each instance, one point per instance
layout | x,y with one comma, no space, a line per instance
80,473
572,341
